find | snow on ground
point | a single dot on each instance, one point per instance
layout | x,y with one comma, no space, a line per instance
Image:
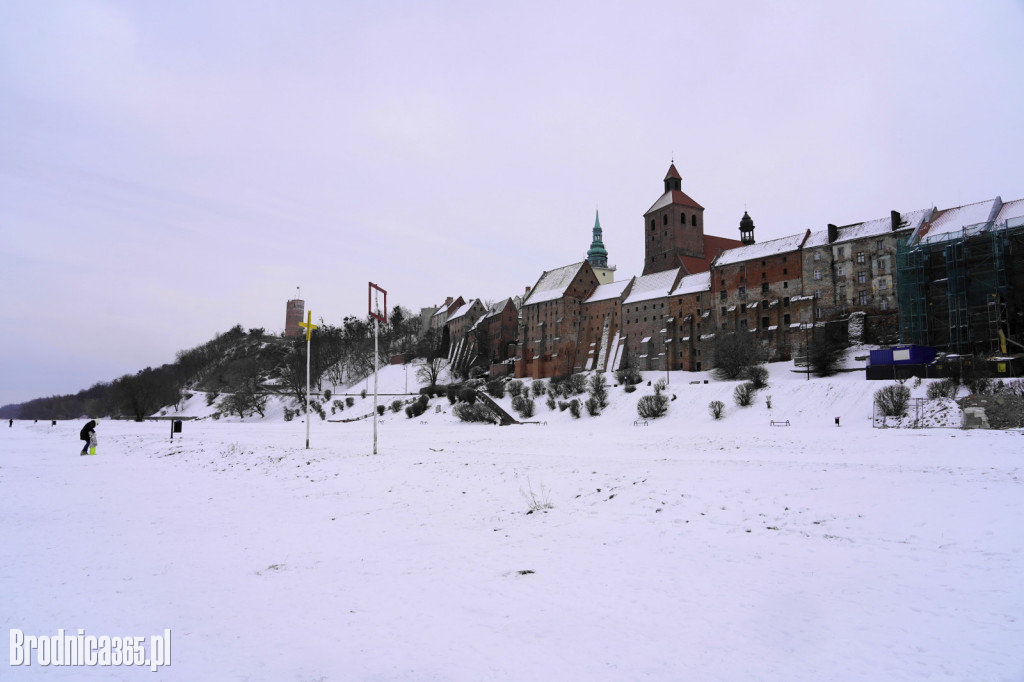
566,549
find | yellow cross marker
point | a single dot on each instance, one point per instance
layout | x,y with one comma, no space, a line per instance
308,324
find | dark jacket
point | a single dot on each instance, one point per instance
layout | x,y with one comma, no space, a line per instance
87,430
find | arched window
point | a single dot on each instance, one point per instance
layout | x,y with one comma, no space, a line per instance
693,220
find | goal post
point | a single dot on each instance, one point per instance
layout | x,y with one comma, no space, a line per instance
379,314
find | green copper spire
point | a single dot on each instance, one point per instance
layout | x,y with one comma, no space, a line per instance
597,255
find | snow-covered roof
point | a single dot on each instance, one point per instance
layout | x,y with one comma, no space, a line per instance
1012,211
496,309
870,228
674,196
692,284
955,219
462,310
552,284
760,250
656,285
609,291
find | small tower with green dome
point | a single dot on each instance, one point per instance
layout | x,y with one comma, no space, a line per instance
597,255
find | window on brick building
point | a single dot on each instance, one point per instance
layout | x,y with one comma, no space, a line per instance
764,322
785,285
743,307
818,312
664,219
682,218
722,295
723,310
841,271
742,292
841,252
842,293
862,277
817,274
785,271
817,293
879,245
786,319
764,288
785,302
693,220
862,297
860,256
884,304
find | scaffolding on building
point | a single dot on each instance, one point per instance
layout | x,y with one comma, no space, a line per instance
956,290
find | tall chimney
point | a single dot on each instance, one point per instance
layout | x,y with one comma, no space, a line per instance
833,233
896,219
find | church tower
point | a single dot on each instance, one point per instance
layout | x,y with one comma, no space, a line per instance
597,255
673,227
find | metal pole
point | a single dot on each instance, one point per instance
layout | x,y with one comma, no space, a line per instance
308,336
375,325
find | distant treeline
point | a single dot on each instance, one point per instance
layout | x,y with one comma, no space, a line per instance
241,368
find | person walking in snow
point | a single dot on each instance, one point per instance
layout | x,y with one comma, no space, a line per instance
88,434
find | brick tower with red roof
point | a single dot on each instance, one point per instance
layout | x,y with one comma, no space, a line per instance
673,227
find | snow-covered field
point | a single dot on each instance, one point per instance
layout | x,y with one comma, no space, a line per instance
590,549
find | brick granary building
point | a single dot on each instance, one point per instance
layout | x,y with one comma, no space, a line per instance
695,287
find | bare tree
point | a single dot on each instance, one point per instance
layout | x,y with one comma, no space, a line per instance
429,372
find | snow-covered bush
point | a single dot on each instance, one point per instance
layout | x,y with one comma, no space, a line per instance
551,401
515,387
744,394
539,388
496,388
893,400
629,388
716,408
524,406
577,383
418,407
652,406
598,387
574,407
980,386
630,376
593,407
757,375
396,405
473,412
944,388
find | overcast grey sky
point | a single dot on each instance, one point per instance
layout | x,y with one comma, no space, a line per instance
169,169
